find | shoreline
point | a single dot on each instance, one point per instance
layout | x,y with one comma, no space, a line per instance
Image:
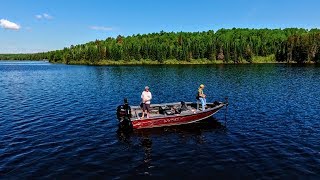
255,60
165,62
125,63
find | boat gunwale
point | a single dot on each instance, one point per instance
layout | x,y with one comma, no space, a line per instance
179,115
166,125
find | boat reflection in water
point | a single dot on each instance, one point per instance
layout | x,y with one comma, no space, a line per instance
142,139
207,125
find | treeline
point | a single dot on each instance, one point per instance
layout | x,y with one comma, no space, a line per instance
36,56
227,45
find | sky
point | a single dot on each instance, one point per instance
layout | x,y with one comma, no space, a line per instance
28,26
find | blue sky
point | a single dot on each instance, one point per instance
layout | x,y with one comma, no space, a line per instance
42,25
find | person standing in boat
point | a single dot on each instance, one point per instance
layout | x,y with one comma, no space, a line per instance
202,97
146,97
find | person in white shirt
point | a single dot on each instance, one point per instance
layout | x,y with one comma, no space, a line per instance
146,97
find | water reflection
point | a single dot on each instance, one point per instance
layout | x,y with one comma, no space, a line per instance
194,129
144,138
186,132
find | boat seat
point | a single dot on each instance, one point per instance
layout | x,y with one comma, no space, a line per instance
154,111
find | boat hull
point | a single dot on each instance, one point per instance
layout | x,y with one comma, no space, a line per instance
174,120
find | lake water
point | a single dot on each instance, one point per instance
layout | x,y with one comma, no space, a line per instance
58,121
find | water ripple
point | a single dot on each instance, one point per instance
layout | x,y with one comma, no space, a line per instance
58,122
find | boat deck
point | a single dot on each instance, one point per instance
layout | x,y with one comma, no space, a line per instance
169,109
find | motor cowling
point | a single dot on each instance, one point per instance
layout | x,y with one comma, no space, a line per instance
123,113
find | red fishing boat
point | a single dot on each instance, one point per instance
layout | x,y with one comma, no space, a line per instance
168,114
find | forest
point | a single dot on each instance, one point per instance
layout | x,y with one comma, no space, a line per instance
237,45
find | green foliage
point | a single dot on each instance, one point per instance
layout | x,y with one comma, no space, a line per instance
36,56
264,59
226,45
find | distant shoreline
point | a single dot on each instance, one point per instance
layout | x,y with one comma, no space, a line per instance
165,62
255,60
124,63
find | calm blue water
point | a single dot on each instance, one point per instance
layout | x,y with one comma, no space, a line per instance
58,121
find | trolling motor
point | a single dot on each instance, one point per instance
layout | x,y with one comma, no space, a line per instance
124,114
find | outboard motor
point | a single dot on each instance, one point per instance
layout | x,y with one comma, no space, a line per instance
124,114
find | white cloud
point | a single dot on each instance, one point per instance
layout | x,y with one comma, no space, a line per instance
101,28
47,16
38,16
43,16
9,25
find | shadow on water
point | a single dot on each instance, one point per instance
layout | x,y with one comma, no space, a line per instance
193,130
142,139
208,125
